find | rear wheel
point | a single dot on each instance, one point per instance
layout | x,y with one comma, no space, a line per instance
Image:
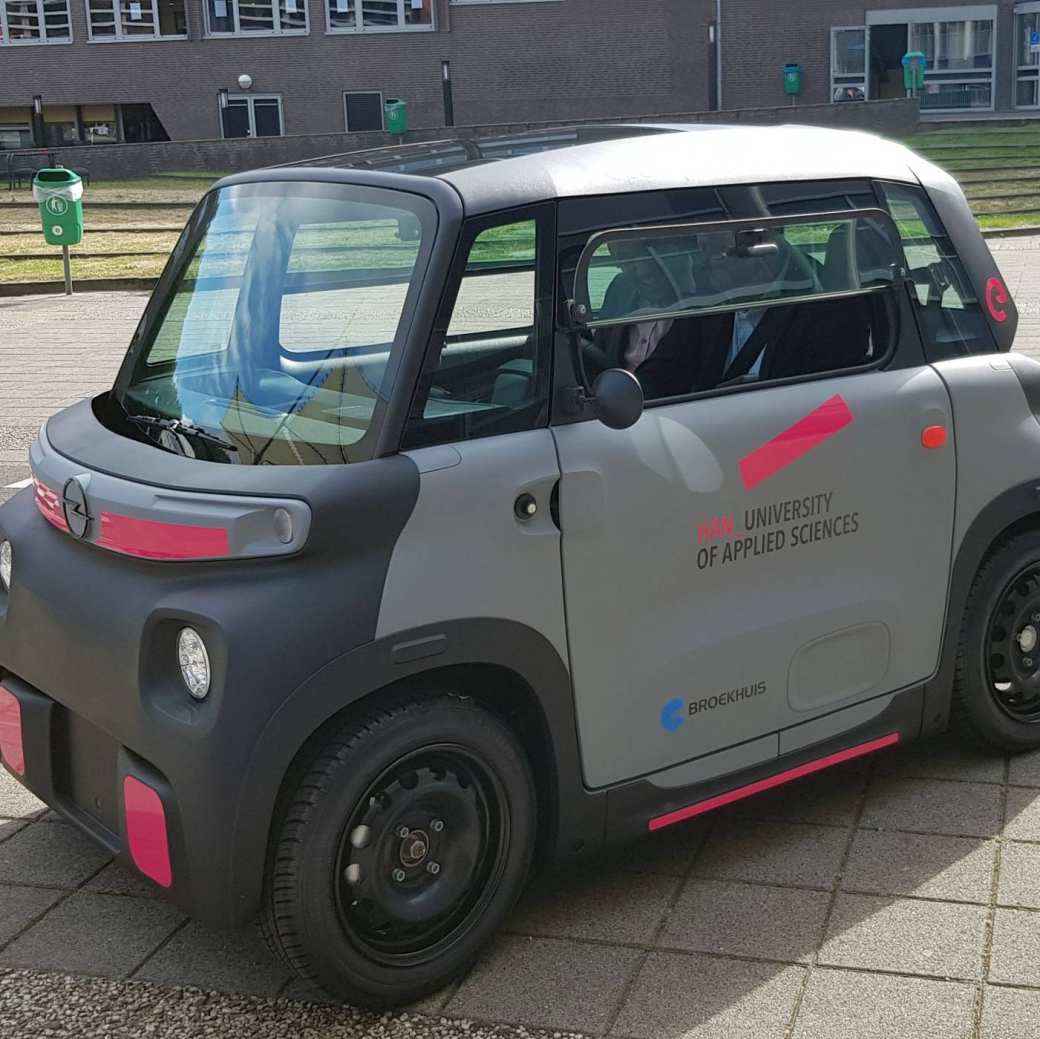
997,684
402,849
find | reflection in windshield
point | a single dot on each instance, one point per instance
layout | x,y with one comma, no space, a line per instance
280,340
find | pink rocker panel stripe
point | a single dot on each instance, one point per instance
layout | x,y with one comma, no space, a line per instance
769,782
795,441
11,748
150,539
146,831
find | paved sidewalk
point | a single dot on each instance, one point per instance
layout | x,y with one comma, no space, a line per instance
896,897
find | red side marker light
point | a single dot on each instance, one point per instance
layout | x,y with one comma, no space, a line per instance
11,749
933,436
146,831
996,299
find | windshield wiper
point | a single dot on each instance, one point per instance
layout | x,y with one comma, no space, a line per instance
182,426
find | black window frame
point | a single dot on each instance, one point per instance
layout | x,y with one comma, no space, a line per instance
544,216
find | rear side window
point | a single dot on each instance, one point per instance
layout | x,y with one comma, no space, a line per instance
951,318
488,368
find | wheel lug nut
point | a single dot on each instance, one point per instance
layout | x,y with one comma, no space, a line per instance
1028,661
403,831
437,825
399,875
433,868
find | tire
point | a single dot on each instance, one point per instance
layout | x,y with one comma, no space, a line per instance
400,852
996,691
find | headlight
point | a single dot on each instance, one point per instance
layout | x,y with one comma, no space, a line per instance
6,563
194,662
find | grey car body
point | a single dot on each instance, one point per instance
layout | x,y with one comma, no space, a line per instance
664,630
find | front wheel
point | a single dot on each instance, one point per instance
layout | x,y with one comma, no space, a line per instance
403,848
996,696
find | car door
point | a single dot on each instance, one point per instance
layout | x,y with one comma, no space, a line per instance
749,558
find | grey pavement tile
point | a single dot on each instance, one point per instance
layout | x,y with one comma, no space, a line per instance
668,851
942,757
15,801
1019,875
50,854
1025,769
20,906
933,806
236,961
614,907
772,923
899,934
1010,1013
958,869
773,853
829,797
94,934
1023,815
547,983
700,997
9,827
842,1004
117,879
1015,957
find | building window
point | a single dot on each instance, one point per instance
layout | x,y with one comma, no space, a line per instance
849,64
379,15
249,115
960,62
260,17
35,21
1027,55
137,19
363,110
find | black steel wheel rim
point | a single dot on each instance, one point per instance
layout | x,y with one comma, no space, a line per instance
1012,652
421,855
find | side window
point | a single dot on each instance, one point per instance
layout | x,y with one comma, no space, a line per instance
488,373
691,310
952,321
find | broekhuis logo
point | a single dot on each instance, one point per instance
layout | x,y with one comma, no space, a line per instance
676,711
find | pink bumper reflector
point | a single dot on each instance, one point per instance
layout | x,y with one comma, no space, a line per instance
150,539
49,505
11,749
769,782
146,831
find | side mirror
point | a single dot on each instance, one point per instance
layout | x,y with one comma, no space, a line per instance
617,398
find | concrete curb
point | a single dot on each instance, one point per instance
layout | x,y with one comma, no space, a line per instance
50,288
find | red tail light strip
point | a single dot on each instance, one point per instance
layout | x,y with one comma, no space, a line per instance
146,831
11,749
769,782
149,539
49,505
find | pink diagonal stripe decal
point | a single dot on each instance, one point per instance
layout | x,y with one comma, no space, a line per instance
795,441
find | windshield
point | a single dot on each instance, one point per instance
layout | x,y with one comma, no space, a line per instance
281,337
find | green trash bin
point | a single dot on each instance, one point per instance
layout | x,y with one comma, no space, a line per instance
915,65
792,79
396,116
59,194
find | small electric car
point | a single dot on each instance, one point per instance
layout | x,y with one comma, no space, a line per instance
464,506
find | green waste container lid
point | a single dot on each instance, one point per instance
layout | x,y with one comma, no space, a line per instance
57,183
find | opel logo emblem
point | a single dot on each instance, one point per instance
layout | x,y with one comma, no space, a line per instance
74,508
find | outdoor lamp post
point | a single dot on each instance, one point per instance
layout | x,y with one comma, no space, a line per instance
37,121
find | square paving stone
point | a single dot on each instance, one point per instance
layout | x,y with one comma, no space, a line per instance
933,806
15,801
668,852
547,983
19,906
830,797
959,869
1009,1013
1023,815
94,934
117,879
229,961
51,855
1020,875
900,934
699,997
771,923
1025,769
9,827
842,1004
1015,958
613,907
942,757
773,853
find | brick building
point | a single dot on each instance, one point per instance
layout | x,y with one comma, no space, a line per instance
133,70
